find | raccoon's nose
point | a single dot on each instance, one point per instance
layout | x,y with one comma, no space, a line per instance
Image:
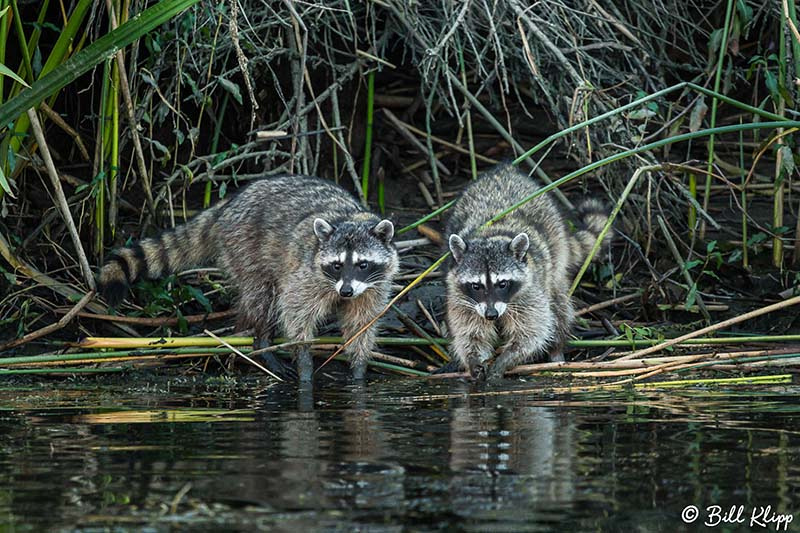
346,291
491,314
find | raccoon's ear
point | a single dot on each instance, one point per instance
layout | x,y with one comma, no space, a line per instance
322,229
519,246
384,230
457,247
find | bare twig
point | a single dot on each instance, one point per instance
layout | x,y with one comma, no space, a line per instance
63,321
61,199
157,322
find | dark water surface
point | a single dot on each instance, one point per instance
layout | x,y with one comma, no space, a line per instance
157,454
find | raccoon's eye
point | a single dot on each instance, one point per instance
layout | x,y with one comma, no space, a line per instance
502,284
337,265
476,286
363,265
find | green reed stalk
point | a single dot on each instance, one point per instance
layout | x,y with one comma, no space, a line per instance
104,138
777,189
599,241
27,73
215,145
723,52
128,354
79,370
638,102
692,221
365,169
652,146
171,344
792,15
201,114
426,218
748,380
745,262
11,143
58,73
113,169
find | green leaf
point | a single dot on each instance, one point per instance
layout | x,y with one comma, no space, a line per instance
698,114
692,296
232,88
787,161
757,238
691,264
710,246
103,48
772,85
745,11
4,185
5,71
714,45
200,297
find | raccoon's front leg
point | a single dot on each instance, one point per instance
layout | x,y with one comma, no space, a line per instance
517,352
301,311
473,348
355,315
530,335
255,310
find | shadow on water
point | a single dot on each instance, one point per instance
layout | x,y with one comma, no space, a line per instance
164,454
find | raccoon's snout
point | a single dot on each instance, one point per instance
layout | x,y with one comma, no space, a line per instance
350,289
346,291
491,311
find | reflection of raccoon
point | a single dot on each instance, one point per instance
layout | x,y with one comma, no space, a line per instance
297,248
511,279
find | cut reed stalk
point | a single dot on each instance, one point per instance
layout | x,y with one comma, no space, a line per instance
715,327
779,379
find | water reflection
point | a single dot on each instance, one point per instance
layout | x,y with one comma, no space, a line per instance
257,456
515,460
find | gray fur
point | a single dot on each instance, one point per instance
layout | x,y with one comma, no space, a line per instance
509,281
273,239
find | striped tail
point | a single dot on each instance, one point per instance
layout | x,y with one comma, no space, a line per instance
193,244
593,217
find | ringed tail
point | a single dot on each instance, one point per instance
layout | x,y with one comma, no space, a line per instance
592,218
185,246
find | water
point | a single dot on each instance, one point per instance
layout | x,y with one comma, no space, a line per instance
156,454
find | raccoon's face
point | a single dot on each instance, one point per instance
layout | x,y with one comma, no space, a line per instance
488,272
355,255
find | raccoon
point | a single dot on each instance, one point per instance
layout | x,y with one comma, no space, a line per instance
297,248
510,280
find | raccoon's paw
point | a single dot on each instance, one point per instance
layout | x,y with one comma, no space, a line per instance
478,372
497,373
